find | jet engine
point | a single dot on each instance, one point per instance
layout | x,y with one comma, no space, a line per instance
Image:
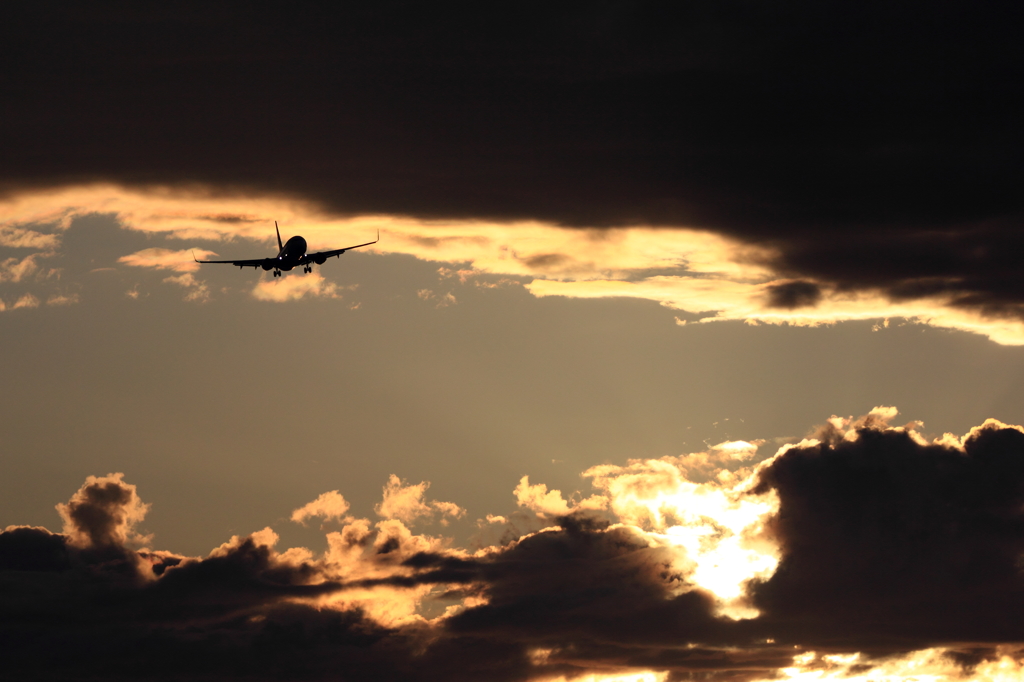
319,259
268,264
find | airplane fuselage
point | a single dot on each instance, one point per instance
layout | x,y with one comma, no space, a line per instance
290,255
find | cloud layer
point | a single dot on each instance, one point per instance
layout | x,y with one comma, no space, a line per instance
869,553
709,276
870,152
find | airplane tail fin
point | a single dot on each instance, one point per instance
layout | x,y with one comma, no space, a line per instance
279,244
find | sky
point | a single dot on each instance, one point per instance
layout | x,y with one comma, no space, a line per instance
691,347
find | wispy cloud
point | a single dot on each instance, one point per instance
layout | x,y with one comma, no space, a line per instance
197,288
18,269
26,301
166,259
23,238
61,299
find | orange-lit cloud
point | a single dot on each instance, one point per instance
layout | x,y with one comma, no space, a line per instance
550,503
166,259
18,269
330,506
294,288
103,513
668,570
406,503
718,528
197,289
25,301
927,665
62,300
696,271
22,238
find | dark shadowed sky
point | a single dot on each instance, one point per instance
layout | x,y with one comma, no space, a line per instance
614,395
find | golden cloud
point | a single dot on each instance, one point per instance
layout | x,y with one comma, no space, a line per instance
329,506
405,502
21,238
166,259
697,271
284,289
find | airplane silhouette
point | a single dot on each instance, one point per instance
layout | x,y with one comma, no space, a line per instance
292,254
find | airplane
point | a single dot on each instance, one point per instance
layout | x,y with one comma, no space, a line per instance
292,254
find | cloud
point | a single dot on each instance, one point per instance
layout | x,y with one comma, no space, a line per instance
915,541
550,503
22,238
103,513
294,288
793,295
329,506
166,259
26,301
405,503
893,556
60,299
16,270
198,290
712,275
894,177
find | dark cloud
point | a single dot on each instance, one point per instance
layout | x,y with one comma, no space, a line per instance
103,513
888,545
24,548
872,145
793,295
891,542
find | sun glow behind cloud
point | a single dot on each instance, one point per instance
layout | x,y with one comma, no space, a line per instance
718,527
697,271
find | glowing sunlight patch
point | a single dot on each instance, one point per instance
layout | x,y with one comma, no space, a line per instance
619,677
718,527
928,665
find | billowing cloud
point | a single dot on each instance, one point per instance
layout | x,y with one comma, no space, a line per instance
864,552
406,503
103,513
915,541
330,506
550,503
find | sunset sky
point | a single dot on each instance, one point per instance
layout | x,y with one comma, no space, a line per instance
692,346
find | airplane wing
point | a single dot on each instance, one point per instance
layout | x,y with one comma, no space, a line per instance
253,263
320,256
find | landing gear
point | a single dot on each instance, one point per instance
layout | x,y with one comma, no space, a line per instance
307,268
277,273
